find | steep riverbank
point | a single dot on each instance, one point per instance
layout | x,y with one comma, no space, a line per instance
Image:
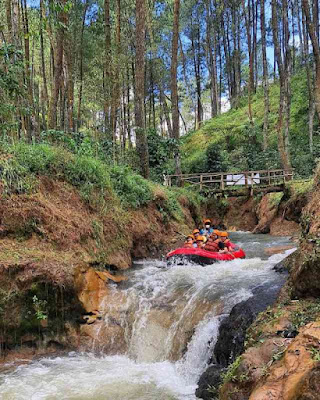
66,222
282,346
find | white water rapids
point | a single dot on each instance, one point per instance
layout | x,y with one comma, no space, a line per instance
170,319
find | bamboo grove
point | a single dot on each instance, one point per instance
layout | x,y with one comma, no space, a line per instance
118,69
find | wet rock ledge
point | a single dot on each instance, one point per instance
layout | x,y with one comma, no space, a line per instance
232,335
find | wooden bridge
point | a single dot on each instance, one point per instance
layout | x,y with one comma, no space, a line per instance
220,182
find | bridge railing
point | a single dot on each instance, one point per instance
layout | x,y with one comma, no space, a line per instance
228,180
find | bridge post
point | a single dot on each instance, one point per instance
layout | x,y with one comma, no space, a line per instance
201,182
222,183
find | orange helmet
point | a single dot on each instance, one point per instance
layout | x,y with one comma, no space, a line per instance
196,231
207,221
190,237
223,234
214,234
200,238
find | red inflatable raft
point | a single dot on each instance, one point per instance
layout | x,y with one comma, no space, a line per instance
200,256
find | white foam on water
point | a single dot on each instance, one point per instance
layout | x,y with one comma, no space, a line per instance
92,378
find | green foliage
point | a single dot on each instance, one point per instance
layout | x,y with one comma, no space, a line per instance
7,298
305,313
133,190
278,355
231,373
255,334
300,187
275,198
315,353
229,142
95,180
40,308
173,206
161,150
79,143
11,69
215,158
14,177
86,173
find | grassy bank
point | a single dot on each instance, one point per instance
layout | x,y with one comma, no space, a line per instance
99,183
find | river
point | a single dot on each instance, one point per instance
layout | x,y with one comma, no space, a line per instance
171,320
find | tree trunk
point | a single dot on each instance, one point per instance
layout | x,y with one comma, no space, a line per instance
196,65
43,64
166,113
115,93
128,109
107,65
212,64
174,85
141,139
312,30
81,66
69,57
281,142
29,125
248,23
58,68
9,20
265,77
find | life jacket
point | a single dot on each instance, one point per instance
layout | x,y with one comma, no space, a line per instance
188,245
211,246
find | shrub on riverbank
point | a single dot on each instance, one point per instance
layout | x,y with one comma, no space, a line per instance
21,164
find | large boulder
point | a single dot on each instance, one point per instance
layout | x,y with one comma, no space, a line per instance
232,333
233,329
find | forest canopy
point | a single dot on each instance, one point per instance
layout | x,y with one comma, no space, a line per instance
148,83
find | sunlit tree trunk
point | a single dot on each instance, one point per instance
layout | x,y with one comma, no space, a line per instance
313,31
283,151
107,64
265,76
43,64
212,63
141,139
174,85
116,75
248,22
58,67
81,65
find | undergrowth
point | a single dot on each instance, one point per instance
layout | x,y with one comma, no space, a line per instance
305,312
99,184
231,373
